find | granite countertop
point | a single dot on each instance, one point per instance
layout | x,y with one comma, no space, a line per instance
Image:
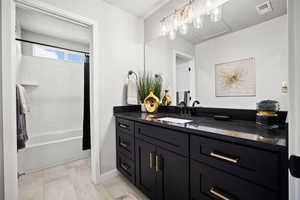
245,132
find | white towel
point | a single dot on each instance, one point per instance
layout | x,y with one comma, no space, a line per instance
24,99
132,98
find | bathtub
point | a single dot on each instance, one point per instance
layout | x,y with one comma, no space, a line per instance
51,149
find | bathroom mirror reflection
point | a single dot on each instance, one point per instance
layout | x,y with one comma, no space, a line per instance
232,56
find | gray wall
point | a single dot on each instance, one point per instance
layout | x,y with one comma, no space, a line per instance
1,134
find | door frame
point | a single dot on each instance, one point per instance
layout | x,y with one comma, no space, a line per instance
192,80
8,67
294,94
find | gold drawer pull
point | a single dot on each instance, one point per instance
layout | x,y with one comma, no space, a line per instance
157,164
123,144
124,166
151,160
123,125
232,160
217,194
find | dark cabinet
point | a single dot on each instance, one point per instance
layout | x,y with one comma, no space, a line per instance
126,167
161,174
208,183
172,176
259,166
174,141
145,168
125,148
167,164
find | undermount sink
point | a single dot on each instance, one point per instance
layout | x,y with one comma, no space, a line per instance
174,120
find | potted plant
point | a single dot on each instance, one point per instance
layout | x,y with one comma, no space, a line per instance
146,83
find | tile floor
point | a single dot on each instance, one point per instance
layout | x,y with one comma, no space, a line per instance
72,181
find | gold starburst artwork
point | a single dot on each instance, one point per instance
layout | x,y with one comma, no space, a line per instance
236,78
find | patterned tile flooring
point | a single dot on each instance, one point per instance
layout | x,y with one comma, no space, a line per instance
72,181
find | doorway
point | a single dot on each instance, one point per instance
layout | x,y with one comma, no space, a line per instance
9,89
183,78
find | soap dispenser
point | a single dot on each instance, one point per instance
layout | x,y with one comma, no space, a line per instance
167,100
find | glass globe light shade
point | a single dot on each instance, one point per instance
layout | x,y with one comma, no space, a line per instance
175,22
172,35
183,29
216,14
163,30
198,22
190,14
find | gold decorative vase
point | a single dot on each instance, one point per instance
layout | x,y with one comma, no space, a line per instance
167,100
151,103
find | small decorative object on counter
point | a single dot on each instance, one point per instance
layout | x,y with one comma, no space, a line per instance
147,83
284,87
151,103
143,108
267,113
167,100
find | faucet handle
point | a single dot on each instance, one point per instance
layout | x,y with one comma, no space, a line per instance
196,102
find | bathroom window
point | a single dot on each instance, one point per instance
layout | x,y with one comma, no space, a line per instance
57,54
47,52
74,57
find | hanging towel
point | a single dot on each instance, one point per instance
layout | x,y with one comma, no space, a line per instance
22,136
132,98
24,99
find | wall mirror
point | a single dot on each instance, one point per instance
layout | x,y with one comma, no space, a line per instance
223,53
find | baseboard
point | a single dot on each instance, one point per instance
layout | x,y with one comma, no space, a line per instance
108,175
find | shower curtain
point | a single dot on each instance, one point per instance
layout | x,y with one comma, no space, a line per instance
86,143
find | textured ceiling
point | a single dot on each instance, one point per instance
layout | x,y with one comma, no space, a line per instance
237,15
140,8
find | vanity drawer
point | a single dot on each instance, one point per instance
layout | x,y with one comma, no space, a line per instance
210,184
256,165
126,167
124,125
169,139
125,144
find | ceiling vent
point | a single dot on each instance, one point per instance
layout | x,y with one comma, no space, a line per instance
264,8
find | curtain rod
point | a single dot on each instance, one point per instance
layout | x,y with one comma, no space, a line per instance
53,46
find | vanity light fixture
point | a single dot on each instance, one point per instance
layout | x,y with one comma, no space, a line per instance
192,12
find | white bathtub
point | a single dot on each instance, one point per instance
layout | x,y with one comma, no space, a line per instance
51,149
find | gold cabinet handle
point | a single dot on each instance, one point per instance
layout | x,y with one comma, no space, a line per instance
151,160
157,164
123,144
123,125
124,166
217,194
232,160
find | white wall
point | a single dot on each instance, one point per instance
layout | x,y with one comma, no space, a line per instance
159,58
42,23
57,103
267,43
1,122
182,75
120,41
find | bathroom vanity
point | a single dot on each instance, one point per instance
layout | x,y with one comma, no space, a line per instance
204,159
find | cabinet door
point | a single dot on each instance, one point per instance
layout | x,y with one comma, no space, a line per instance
172,176
145,168
209,183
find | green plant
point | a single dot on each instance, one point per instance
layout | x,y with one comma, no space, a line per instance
147,83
